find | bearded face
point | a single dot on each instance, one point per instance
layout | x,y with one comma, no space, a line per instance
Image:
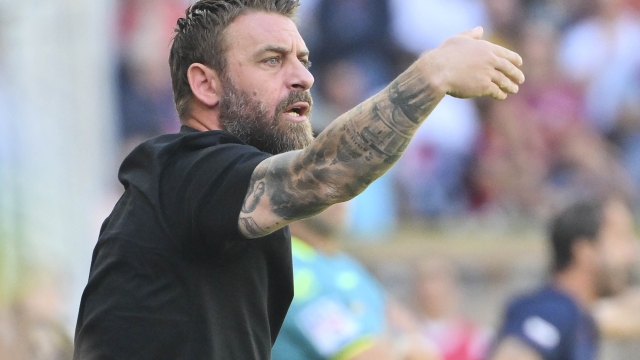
616,249
248,119
611,279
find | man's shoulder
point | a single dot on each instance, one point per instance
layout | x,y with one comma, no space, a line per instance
192,146
545,297
193,141
545,313
546,302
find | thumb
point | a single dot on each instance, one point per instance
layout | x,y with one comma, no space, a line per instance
475,33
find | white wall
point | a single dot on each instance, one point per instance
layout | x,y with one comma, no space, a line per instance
58,59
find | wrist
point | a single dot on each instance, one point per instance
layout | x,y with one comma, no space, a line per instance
416,91
432,72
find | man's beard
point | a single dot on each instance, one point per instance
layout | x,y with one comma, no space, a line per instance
611,281
247,118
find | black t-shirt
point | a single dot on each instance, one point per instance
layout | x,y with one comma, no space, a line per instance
171,275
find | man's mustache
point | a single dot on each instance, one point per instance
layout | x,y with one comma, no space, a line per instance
295,96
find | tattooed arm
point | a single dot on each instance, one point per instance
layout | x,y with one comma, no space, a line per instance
365,142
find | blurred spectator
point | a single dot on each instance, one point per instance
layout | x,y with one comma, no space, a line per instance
338,310
593,249
344,86
437,296
146,99
432,172
28,325
561,13
357,30
505,19
420,25
603,54
538,151
630,131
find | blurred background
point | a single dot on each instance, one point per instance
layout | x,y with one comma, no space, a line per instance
83,82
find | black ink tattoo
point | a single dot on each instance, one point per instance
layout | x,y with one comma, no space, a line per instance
413,100
251,227
350,154
251,204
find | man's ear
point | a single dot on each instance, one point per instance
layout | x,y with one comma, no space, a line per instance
204,83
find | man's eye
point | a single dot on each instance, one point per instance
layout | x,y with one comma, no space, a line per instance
306,63
272,61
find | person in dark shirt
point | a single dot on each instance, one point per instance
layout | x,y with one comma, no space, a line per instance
194,262
594,248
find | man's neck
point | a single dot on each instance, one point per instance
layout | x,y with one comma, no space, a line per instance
578,285
194,124
202,119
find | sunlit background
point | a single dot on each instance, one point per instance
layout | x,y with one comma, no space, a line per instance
84,81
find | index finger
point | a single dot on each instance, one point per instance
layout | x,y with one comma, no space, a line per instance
512,56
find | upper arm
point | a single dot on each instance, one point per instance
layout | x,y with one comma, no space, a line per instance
511,348
542,324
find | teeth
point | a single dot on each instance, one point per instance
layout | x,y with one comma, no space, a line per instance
292,113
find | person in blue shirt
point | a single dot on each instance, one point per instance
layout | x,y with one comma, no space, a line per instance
593,247
338,310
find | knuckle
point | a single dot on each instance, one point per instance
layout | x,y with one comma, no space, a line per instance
496,60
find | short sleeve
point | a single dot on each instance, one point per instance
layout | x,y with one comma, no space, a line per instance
229,173
205,187
546,327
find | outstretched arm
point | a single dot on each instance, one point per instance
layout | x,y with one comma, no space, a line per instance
365,142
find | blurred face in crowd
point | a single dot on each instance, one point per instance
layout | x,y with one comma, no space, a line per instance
611,7
265,88
329,223
615,248
539,48
436,288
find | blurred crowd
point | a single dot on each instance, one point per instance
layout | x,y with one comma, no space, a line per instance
573,130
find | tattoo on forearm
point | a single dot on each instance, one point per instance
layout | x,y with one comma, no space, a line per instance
351,153
251,227
253,197
413,104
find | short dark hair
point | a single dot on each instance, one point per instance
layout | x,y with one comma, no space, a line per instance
199,38
578,222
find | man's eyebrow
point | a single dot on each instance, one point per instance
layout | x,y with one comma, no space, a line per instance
280,50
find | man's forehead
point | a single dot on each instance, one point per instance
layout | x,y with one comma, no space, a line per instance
255,31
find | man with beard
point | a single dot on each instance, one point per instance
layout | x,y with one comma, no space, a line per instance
593,249
194,262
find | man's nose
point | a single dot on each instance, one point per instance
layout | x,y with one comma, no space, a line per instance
300,77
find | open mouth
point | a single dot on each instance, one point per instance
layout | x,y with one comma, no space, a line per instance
298,109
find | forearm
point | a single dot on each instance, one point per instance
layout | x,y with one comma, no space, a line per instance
355,149
364,143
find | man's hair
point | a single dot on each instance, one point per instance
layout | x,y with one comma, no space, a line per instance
199,38
578,222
